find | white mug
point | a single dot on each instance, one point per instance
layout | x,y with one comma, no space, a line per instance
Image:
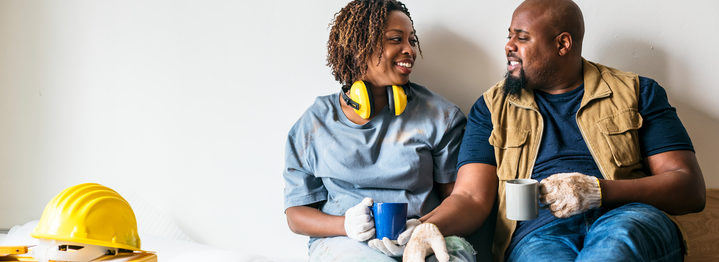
521,198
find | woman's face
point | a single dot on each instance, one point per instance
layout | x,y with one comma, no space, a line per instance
400,50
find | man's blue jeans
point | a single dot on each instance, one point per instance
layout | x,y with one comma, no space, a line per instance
632,232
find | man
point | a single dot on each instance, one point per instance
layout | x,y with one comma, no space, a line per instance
609,151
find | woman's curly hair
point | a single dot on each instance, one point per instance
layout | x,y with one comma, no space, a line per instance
356,33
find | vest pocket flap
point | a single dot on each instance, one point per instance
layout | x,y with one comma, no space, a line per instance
625,120
621,135
509,146
511,138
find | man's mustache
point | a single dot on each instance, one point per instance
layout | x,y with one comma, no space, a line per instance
512,55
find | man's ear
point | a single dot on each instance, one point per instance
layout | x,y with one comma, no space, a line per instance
564,43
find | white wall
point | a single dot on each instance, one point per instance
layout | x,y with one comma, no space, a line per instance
187,103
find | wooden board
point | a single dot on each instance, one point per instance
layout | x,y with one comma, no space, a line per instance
702,230
127,257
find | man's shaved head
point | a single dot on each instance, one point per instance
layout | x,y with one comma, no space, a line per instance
559,16
544,46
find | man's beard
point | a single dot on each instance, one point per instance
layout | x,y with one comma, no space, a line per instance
514,85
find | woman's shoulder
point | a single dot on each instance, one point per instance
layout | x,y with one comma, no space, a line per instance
322,105
428,97
322,108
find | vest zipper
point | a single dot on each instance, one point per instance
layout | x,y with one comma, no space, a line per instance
586,141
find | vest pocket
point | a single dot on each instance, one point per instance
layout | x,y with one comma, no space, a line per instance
620,131
508,145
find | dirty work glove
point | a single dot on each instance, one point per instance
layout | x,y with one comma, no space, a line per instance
387,246
359,224
395,248
426,239
568,194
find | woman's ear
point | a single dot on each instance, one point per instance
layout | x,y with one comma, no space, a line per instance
564,43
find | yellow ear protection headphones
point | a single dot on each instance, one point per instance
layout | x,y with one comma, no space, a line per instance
360,98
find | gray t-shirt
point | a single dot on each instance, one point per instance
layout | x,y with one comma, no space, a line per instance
390,159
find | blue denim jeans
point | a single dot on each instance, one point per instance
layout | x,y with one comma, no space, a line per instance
347,249
632,232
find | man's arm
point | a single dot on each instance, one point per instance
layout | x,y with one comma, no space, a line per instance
676,185
469,203
444,190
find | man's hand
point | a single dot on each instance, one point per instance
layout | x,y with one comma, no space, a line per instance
395,248
426,239
359,224
568,194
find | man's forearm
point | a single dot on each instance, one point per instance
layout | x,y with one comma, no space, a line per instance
676,185
670,192
470,202
459,215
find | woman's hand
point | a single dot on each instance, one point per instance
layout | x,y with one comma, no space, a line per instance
395,248
359,224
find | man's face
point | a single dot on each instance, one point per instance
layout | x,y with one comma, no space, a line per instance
531,50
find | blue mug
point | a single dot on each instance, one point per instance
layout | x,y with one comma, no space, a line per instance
389,219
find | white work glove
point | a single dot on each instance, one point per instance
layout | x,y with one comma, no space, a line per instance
568,194
395,248
359,224
426,239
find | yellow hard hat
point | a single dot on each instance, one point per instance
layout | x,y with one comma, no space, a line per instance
90,214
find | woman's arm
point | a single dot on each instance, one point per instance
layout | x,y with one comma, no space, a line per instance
310,221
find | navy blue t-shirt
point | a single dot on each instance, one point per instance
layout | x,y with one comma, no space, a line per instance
562,148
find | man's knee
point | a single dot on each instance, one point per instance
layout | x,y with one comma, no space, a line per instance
636,218
632,224
635,232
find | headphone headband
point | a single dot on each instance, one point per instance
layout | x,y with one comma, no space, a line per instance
349,101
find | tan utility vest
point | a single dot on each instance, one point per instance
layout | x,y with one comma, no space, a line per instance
608,119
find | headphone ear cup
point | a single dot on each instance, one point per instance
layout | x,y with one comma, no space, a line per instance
360,94
397,98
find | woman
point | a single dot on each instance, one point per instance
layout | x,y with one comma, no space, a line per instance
363,145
